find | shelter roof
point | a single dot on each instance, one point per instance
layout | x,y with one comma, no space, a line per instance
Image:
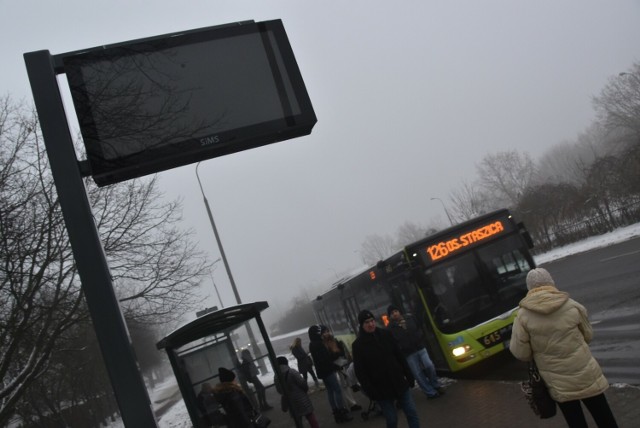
212,323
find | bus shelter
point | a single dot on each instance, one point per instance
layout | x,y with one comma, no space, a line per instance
197,349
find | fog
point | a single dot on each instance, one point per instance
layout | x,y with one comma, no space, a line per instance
409,97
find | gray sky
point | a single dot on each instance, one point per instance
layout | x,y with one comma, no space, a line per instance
409,96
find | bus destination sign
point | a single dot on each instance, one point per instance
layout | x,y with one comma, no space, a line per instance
446,248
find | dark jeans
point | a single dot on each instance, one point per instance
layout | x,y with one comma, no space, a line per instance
334,391
390,413
597,406
304,370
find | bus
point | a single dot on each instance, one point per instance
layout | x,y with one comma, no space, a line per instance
462,285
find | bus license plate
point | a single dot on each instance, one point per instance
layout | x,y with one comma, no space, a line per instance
496,337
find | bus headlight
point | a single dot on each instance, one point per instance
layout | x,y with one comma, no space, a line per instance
460,350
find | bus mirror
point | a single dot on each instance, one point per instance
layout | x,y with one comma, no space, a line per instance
526,235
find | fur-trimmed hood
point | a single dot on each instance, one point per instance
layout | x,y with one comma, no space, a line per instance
224,388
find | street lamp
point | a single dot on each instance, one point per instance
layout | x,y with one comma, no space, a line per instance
226,265
445,209
215,232
214,283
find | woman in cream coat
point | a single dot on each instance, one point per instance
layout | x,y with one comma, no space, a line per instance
553,330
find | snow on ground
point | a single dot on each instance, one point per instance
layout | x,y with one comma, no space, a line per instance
618,235
178,417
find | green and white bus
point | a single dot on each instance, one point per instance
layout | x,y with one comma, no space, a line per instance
462,285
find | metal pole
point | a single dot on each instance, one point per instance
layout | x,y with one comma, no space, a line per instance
445,209
108,322
215,286
252,338
220,248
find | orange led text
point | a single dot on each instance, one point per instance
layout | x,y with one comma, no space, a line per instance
445,248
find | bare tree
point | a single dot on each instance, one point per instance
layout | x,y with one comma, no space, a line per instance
376,247
618,105
568,162
410,232
468,201
154,265
504,176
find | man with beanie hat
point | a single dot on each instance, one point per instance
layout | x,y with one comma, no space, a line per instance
554,331
324,359
383,372
236,405
407,335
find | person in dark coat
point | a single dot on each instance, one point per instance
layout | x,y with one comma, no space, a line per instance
208,406
407,335
236,405
325,361
383,372
297,389
250,373
305,363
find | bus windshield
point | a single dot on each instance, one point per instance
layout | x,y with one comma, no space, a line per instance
476,286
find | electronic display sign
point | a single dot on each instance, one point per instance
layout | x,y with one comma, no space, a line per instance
461,238
153,104
444,248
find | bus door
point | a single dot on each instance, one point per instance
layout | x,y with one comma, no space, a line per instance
351,308
405,295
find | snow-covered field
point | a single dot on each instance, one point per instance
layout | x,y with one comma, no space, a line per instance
177,416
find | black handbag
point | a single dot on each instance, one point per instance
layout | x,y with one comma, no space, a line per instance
537,394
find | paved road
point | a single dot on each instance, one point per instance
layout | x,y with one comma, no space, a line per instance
474,403
607,282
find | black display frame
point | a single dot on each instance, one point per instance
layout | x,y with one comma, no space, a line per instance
286,74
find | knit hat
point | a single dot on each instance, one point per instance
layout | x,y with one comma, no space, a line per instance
392,308
315,331
364,315
538,277
226,375
282,361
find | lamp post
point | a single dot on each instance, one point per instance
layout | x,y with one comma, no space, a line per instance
223,256
214,284
215,232
444,208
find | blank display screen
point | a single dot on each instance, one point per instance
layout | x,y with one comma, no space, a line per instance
186,97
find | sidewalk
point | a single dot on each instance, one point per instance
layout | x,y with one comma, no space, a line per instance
472,403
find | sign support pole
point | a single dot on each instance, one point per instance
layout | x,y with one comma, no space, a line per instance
110,327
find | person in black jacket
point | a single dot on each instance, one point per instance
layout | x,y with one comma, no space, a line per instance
249,371
325,361
236,405
407,335
383,372
305,363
